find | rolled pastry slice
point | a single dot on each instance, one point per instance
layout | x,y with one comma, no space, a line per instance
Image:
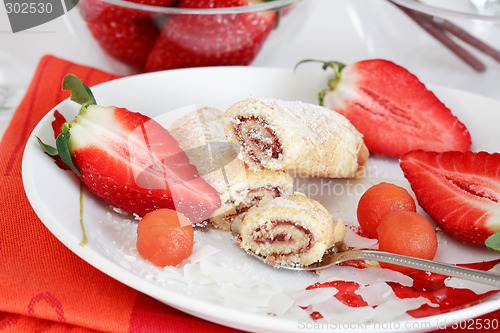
241,194
292,230
295,137
238,187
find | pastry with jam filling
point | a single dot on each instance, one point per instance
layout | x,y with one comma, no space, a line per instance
296,137
201,135
293,230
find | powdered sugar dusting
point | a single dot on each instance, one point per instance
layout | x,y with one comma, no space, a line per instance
306,138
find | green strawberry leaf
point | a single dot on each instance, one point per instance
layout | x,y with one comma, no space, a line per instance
493,242
47,148
80,93
332,83
63,149
335,65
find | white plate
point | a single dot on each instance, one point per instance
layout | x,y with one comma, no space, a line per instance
219,282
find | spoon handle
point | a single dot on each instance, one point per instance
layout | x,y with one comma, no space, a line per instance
470,274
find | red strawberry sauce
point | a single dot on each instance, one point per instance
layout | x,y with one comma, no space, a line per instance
346,292
429,285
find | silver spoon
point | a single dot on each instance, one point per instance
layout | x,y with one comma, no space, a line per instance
339,254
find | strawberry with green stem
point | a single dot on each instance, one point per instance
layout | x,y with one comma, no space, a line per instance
460,191
392,108
130,160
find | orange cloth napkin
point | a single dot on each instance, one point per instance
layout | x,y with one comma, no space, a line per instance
43,285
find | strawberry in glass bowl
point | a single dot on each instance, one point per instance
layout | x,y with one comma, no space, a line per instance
137,36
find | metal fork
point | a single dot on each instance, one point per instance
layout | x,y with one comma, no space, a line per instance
340,255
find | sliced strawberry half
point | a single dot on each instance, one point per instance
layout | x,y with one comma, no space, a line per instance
394,111
130,160
211,40
459,190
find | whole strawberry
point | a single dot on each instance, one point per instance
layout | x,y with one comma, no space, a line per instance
128,40
459,190
213,39
393,110
130,160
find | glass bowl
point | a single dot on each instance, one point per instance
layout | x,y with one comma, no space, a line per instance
133,37
483,10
